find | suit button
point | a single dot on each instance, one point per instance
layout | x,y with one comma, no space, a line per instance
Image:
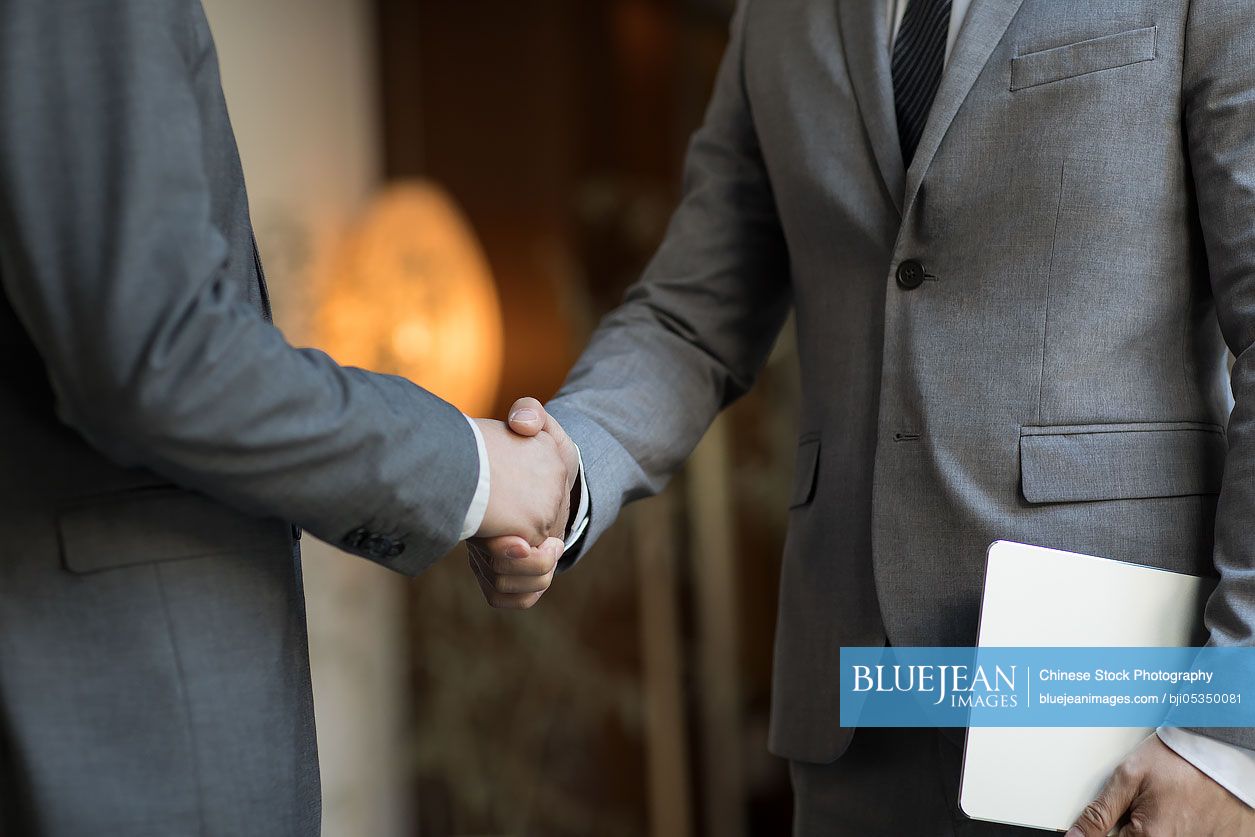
910,274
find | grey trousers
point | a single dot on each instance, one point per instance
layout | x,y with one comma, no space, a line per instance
891,782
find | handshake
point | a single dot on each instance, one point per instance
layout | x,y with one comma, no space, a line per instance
533,468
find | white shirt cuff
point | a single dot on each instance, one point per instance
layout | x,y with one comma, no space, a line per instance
479,503
580,521
1230,766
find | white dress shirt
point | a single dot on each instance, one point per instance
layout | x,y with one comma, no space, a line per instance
1230,766
479,502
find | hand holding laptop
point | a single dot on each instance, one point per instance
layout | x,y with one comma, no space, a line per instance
1154,791
1037,597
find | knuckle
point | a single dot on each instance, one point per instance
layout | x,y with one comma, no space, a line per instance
513,586
527,602
536,524
1125,773
550,443
1094,818
502,601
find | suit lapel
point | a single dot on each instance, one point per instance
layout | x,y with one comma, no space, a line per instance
865,36
987,22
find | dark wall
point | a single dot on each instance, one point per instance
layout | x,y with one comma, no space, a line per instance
559,126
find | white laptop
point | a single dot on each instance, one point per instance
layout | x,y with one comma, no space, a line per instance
1037,597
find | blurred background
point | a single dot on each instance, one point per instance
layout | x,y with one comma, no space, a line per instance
456,191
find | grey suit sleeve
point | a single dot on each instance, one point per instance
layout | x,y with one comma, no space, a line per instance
694,333
109,257
1219,97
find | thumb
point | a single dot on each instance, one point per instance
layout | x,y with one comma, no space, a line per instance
555,547
1101,815
527,417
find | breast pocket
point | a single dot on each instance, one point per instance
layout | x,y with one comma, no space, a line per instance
1034,69
1087,463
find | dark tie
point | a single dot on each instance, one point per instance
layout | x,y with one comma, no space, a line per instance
919,54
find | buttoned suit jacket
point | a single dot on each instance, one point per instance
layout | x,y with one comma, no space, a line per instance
1022,335
157,437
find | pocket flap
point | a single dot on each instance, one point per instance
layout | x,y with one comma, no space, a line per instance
158,524
1120,461
1105,53
804,472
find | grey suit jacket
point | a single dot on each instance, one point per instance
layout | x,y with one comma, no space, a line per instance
157,436
1019,337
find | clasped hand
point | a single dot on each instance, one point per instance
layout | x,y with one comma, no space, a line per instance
533,467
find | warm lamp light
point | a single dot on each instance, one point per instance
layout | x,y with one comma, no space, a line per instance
411,294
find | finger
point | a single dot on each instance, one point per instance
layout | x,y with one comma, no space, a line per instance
500,600
566,447
511,555
479,563
526,602
516,585
527,417
554,547
485,586
560,524
1102,815
550,552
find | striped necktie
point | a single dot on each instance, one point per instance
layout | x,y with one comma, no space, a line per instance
919,54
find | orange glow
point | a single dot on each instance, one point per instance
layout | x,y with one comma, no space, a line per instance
411,294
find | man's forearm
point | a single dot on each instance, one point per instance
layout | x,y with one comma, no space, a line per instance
115,268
